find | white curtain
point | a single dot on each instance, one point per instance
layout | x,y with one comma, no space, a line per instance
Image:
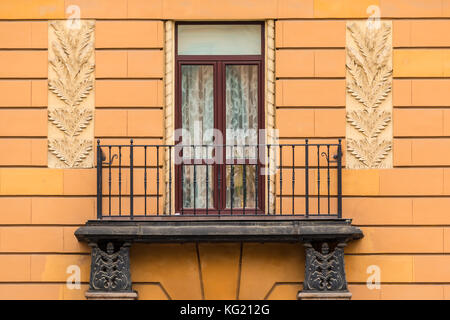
197,91
241,129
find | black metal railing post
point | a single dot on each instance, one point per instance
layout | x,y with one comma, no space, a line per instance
281,179
170,180
145,180
120,180
131,181
318,179
293,179
339,178
306,179
268,179
99,180
157,180
207,182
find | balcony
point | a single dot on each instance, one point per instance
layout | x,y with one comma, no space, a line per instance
192,193
307,177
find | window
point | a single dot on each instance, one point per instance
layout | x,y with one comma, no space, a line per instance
219,101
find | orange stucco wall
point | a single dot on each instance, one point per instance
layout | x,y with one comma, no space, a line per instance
404,212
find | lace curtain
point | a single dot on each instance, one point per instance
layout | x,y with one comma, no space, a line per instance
241,129
197,91
197,82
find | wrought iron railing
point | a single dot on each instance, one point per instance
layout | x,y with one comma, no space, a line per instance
155,181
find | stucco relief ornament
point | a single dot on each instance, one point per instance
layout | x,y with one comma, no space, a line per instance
324,269
73,68
369,83
110,271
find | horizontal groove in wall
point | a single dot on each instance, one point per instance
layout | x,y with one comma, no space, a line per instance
130,137
361,18
23,137
128,18
129,78
18,79
412,166
398,226
311,138
23,49
97,19
310,78
309,107
130,49
420,137
343,78
22,166
165,18
115,166
421,166
60,196
306,48
124,79
424,138
22,108
421,107
421,78
397,196
130,108
406,48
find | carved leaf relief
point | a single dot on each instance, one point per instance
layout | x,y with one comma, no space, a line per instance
70,151
71,123
369,123
369,84
71,81
71,63
369,154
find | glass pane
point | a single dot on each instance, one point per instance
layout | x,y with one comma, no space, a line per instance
232,39
197,106
241,110
195,185
241,193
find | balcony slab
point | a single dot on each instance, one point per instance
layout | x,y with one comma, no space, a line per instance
224,229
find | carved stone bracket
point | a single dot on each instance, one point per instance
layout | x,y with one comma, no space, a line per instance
110,271
324,272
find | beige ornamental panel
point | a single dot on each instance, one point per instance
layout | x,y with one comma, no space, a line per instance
369,95
71,102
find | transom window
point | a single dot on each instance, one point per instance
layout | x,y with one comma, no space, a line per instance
219,102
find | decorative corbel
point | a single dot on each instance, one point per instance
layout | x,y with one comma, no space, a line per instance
110,276
324,272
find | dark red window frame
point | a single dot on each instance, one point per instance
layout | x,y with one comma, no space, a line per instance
219,63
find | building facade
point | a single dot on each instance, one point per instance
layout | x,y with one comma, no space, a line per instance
270,149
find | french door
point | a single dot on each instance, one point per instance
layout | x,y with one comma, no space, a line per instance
219,109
